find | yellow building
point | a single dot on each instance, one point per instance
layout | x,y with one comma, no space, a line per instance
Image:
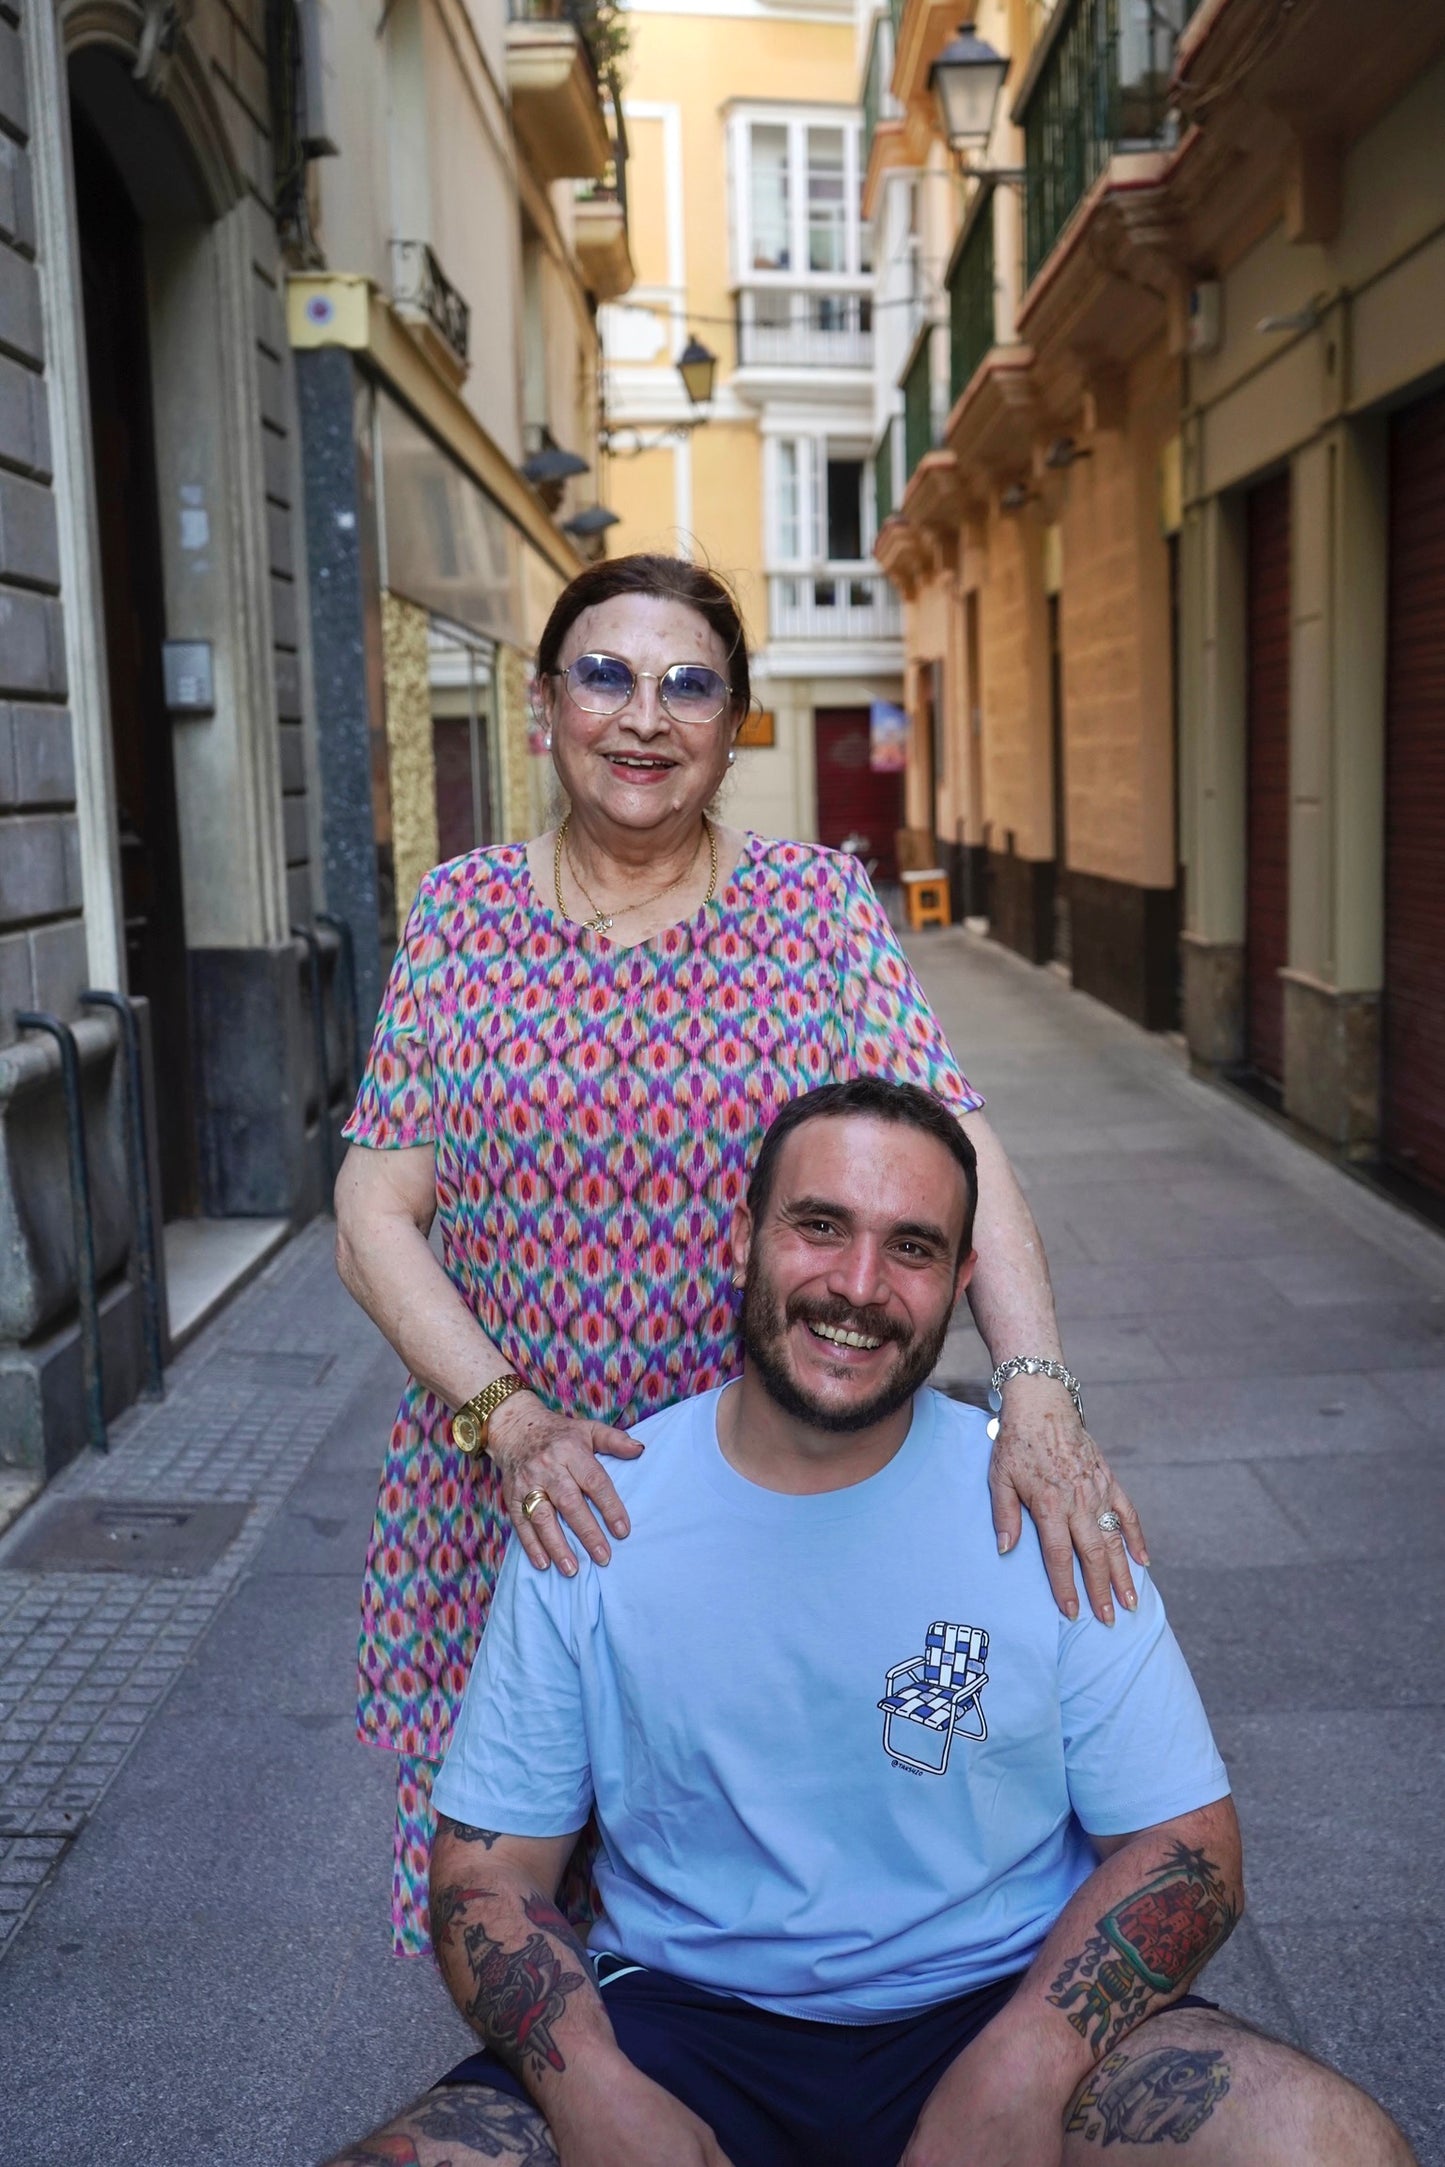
1169,522
744,184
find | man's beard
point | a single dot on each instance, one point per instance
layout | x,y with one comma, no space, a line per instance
765,1327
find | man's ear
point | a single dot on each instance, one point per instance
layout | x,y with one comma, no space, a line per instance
741,1237
963,1275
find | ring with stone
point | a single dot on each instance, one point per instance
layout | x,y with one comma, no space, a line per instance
533,1499
1109,1523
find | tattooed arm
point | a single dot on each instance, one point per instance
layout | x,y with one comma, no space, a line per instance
521,1978
1128,1943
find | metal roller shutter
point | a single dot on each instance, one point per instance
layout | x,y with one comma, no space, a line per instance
1413,1108
1267,636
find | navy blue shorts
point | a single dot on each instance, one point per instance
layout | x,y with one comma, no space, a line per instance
777,2091
780,2091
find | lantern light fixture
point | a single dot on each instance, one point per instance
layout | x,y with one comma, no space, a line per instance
966,80
697,367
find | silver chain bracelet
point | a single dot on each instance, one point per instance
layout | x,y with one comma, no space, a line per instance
1034,1365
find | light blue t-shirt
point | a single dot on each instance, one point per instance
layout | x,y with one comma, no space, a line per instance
843,1754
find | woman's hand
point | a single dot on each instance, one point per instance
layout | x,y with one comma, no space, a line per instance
534,1448
1046,1460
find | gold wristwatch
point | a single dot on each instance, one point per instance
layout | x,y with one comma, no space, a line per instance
470,1423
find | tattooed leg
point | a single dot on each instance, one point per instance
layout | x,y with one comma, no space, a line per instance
1201,2081
459,2125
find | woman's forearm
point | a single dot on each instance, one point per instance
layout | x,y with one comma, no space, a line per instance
1011,1294
388,1266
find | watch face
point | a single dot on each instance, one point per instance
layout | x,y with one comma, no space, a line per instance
466,1431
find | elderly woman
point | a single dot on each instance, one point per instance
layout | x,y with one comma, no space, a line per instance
581,1044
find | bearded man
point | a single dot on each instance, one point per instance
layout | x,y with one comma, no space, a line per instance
897,1864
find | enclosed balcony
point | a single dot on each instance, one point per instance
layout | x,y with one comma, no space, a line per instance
804,328
557,100
837,602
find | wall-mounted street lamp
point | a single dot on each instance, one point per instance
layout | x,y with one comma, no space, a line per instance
586,525
698,369
966,80
1064,451
697,366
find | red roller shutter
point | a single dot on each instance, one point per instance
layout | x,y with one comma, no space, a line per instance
1413,1110
1267,636
852,798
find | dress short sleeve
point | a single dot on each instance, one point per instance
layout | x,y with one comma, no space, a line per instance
892,1031
393,1107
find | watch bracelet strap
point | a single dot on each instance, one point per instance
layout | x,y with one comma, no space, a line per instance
484,1404
1035,1365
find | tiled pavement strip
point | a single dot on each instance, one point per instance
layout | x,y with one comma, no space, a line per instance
85,1657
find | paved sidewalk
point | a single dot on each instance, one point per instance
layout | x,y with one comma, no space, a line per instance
194,1852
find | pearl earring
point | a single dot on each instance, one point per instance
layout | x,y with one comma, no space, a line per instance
732,756
547,742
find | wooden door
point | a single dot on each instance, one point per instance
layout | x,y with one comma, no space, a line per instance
118,363
1413,1050
852,799
1267,653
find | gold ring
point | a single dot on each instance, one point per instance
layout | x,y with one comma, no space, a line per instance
533,1499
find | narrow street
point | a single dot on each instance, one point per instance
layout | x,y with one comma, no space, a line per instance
195,1964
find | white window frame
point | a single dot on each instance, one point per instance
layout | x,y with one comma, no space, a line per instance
796,120
814,448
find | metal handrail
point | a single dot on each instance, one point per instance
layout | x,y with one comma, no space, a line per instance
341,928
138,1170
82,1220
323,1082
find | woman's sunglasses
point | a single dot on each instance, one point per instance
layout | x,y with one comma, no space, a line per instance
603,685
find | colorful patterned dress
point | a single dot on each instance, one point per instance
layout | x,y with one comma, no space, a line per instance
595,1112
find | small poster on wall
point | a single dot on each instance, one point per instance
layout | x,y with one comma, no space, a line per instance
887,738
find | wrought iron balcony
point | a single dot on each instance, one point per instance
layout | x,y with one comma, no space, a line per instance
971,286
1099,87
837,602
922,414
804,327
420,287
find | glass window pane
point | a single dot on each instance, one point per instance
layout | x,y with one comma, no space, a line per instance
769,168
789,505
827,206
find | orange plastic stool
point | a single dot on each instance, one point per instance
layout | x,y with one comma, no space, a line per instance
926,897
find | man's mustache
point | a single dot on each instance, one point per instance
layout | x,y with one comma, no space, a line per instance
869,1323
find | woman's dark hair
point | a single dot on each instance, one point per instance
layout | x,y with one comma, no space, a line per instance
876,1100
668,579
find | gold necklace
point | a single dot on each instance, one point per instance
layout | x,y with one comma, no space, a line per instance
602,921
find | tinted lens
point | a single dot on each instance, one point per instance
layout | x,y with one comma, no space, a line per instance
693,693
600,683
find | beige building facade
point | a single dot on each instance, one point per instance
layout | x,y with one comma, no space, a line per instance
1169,526
746,176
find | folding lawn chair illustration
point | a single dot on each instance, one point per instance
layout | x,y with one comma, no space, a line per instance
934,1695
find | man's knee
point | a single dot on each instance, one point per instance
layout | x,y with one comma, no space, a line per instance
1205,2079
465,2124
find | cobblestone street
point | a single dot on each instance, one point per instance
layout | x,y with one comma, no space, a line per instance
195,1964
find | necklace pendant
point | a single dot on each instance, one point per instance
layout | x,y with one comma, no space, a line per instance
602,923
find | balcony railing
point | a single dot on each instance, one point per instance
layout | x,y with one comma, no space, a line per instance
576,12
1101,86
840,602
883,468
971,301
921,420
794,327
419,284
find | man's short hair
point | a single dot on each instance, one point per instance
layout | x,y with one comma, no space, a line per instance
875,1099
